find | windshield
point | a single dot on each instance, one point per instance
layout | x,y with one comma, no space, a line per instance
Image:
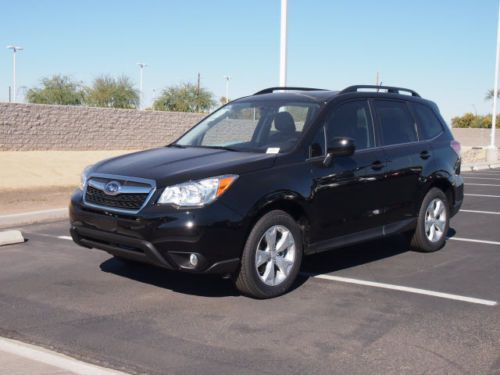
272,127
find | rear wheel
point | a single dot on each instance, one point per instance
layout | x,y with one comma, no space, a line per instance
272,256
433,222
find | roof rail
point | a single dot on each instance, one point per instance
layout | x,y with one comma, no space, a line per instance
390,89
270,90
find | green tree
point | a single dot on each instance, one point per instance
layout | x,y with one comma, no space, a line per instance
57,89
112,92
469,120
184,98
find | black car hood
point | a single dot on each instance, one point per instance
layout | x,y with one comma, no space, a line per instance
168,165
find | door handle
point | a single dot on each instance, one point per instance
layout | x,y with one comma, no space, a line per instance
425,155
376,165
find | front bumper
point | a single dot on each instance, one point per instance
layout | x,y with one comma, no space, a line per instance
164,236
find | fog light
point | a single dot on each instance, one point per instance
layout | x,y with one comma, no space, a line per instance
193,259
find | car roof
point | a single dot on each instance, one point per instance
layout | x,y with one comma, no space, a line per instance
303,96
320,95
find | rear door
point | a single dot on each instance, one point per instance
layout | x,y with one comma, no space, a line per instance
397,133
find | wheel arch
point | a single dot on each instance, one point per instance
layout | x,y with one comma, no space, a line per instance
442,182
290,202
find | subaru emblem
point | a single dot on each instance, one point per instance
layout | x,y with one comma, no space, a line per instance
112,188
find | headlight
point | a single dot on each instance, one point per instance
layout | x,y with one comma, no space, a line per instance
84,176
196,193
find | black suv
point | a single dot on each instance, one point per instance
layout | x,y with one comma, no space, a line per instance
274,176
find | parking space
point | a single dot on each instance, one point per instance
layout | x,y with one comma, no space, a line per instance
375,307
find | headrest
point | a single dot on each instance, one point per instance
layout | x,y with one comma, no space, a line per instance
283,122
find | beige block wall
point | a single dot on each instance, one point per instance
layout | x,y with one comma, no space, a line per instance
475,137
28,127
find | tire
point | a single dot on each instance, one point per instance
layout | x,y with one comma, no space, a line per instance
430,220
257,281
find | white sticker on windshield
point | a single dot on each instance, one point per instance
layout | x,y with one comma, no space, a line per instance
273,150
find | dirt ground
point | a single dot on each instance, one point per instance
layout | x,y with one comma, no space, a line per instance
25,200
38,180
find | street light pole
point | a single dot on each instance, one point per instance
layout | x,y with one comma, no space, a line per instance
491,152
14,51
141,95
227,78
283,42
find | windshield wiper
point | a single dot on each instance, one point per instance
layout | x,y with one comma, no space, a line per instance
176,145
221,148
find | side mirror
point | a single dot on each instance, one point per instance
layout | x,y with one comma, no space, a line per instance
341,146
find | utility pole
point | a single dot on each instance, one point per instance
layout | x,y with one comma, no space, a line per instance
141,92
227,78
14,51
198,94
377,80
491,151
283,42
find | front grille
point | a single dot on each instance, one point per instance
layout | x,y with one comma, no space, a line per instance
133,193
124,201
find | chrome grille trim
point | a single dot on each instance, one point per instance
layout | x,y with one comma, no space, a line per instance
124,190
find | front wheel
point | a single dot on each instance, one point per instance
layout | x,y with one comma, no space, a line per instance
272,256
433,222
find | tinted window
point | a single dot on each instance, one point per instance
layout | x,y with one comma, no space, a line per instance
430,126
352,120
396,122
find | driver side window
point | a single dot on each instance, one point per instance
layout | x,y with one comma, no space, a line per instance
351,120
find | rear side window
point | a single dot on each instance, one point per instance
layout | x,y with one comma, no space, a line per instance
396,124
429,124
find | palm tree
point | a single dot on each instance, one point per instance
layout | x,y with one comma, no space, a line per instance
490,94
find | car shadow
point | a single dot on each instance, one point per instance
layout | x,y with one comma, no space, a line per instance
181,282
216,286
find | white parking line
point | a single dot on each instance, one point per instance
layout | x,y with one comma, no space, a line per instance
407,289
469,184
63,362
481,178
481,212
473,240
65,238
482,195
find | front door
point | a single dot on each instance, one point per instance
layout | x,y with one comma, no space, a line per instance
348,194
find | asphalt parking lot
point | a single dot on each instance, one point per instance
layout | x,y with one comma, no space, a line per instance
371,308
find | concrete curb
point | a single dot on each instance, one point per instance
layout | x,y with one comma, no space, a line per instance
479,166
11,237
31,356
33,217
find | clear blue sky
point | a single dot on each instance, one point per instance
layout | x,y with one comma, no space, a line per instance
445,49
